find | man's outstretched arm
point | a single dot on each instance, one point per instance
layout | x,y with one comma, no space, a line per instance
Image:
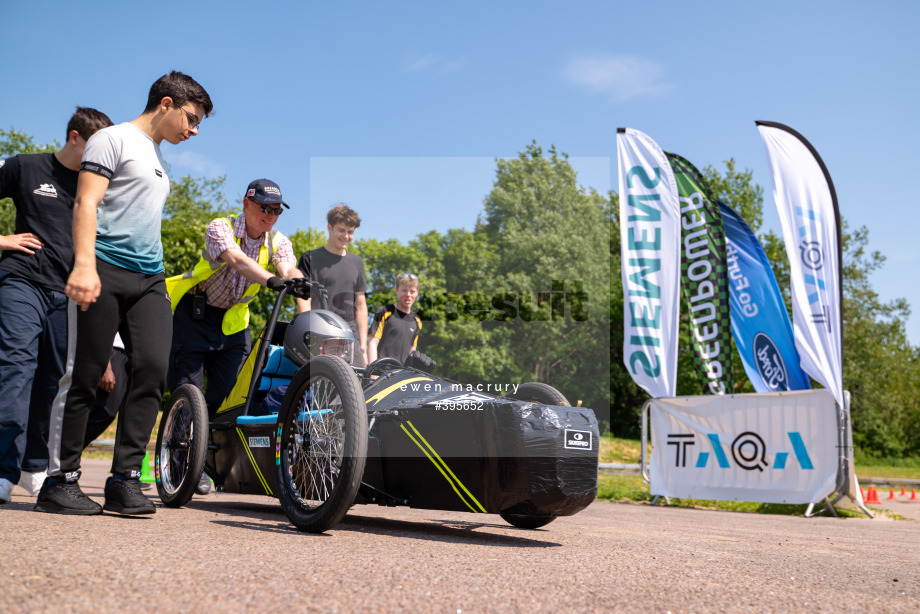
83,284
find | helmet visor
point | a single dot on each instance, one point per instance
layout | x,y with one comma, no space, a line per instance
342,348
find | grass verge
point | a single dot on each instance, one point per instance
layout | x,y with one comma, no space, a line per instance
632,488
615,450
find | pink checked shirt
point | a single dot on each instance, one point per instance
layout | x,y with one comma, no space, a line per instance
226,287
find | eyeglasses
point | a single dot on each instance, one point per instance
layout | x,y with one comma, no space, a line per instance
270,209
406,275
193,120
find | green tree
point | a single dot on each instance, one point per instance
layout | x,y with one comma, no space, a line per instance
14,142
383,260
550,237
737,190
466,344
192,203
879,365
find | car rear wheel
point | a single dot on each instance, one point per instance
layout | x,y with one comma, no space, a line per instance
522,521
534,392
182,443
322,444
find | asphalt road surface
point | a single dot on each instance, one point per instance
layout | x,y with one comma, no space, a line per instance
239,553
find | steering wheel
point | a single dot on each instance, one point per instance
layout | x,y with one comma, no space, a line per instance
380,364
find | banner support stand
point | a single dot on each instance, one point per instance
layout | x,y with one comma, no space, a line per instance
643,455
846,478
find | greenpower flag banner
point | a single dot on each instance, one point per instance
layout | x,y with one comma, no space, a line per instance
704,278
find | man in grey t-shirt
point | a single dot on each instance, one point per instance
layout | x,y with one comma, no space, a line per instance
342,274
118,283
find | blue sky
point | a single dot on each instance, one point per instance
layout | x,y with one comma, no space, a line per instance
400,108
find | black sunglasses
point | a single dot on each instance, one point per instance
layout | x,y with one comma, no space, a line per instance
270,209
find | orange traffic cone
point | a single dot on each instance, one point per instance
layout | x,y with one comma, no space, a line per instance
872,499
891,494
903,494
913,495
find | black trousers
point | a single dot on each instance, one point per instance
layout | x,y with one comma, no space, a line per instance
33,344
200,348
137,306
107,404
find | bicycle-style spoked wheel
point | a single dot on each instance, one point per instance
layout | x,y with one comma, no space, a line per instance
182,443
322,444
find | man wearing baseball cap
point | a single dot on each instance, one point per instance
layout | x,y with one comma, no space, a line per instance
211,303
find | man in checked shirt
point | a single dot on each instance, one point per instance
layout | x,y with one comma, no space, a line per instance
211,303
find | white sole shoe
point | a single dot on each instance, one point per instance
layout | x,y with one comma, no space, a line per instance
6,487
32,482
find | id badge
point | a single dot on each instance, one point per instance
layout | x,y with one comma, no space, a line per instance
199,302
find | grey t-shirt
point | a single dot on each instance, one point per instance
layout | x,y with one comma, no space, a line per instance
128,222
343,277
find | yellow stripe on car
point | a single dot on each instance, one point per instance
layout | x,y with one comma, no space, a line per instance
441,466
383,393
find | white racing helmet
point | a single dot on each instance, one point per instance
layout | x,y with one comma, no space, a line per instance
318,333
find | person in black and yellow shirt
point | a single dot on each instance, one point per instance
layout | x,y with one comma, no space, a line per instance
396,327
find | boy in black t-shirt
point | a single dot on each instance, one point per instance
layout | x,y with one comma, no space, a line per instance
33,270
396,327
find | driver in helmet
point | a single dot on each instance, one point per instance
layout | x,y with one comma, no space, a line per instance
308,336
318,333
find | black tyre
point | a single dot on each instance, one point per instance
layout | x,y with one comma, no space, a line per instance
182,443
523,521
322,439
535,392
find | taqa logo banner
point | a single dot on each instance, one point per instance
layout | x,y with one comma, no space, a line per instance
759,320
807,205
767,448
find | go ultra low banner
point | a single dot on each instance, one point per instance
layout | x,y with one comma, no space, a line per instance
760,322
767,448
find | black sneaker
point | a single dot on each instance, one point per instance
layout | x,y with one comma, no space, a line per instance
204,484
124,496
61,494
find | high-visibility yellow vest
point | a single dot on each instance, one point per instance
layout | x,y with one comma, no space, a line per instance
237,316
